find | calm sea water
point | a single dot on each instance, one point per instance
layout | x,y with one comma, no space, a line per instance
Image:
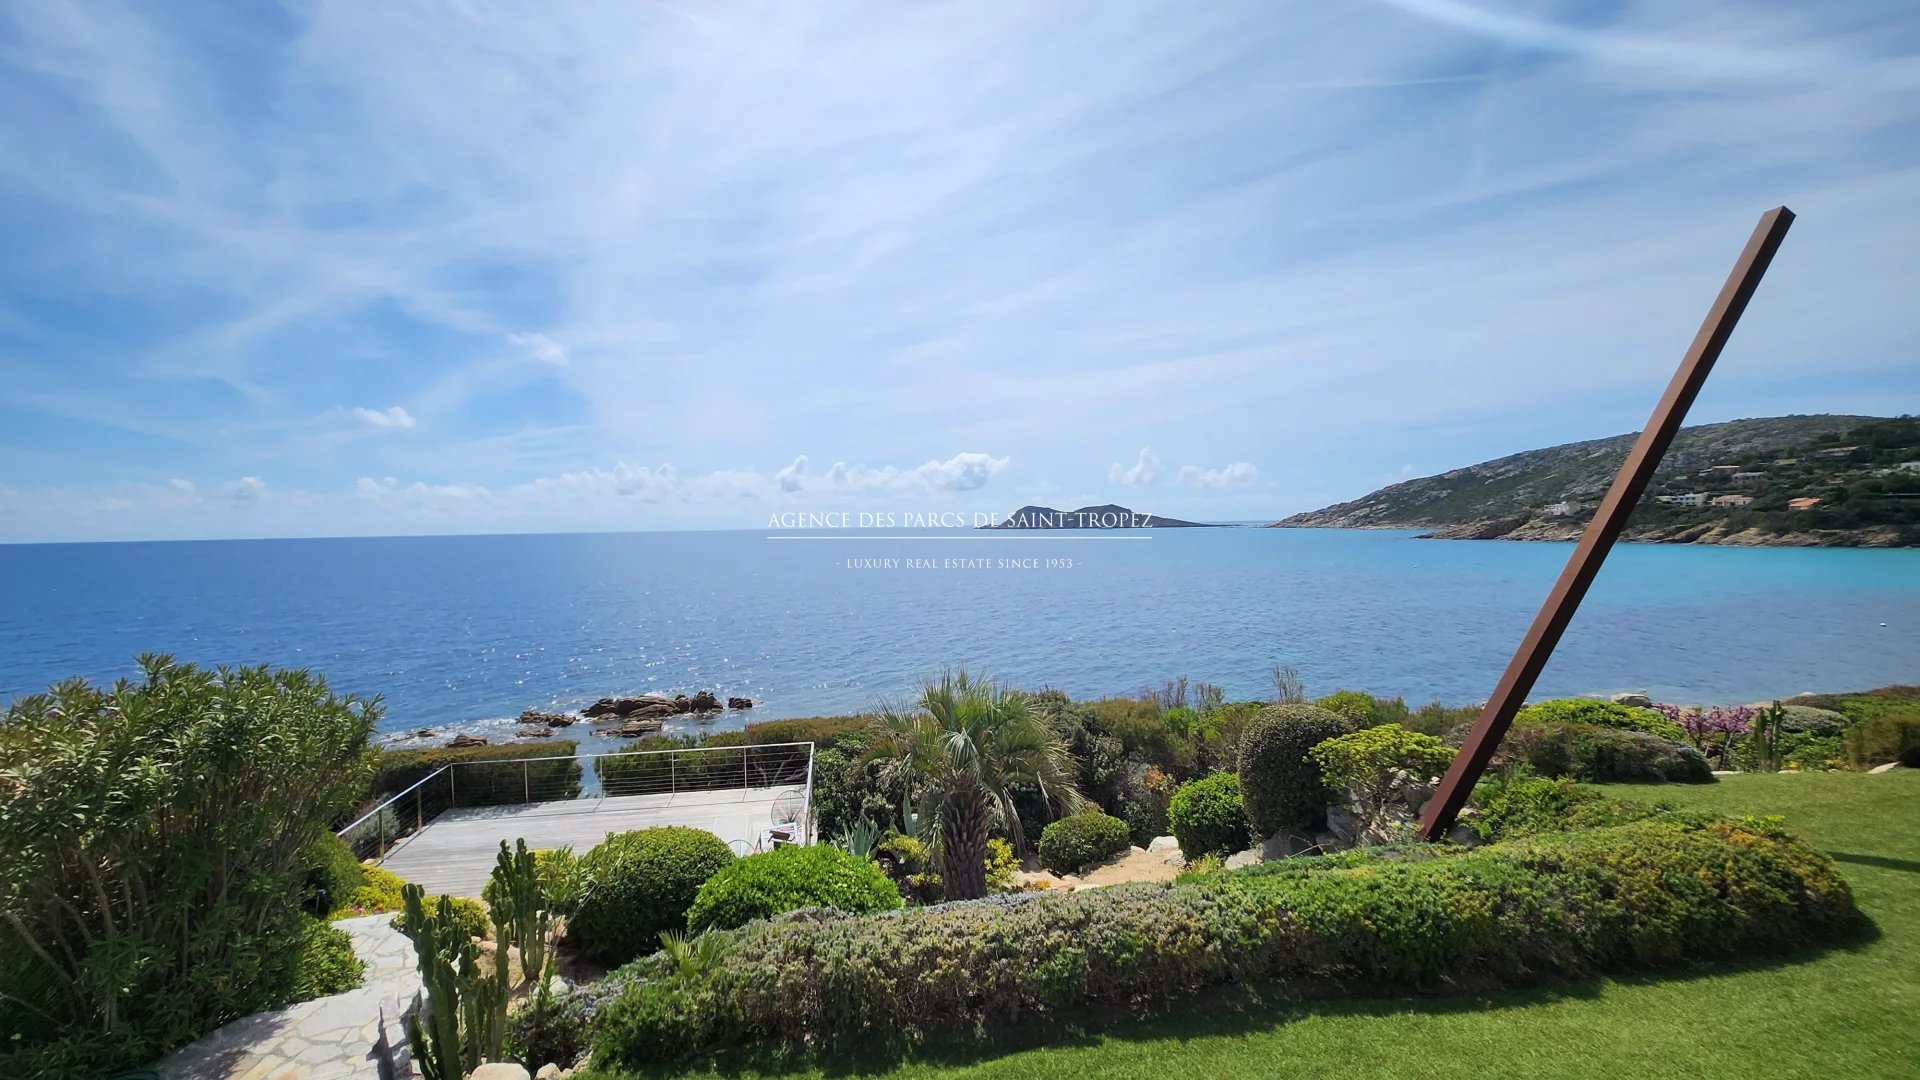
465,630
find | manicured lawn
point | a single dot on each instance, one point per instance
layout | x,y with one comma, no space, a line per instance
1850,1011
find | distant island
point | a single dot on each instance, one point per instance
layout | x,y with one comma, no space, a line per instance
1810,481
1108,516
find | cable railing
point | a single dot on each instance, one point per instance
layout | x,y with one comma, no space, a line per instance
561,778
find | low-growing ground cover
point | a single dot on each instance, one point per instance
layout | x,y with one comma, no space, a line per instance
1844,1011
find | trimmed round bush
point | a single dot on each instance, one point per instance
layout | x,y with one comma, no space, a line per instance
636,885
1596,713
1079,839
1808,720
1633,896
333,874
788,879
1208,817
1279,780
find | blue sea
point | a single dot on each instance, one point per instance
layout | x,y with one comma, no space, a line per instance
468,631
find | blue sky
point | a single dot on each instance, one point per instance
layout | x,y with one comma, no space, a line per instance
340,268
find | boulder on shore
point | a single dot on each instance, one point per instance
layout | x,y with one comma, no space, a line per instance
739,703
1638,701
534,733
462,741
704,701
550,719
632,729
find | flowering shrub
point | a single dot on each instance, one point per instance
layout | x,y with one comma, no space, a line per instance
1633,895
1712,729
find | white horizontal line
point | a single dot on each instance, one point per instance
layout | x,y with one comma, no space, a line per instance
959,537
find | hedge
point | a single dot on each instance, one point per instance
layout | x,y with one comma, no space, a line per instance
504,783
1604,755
788,879
1606,714
823,731
1631,896
661,763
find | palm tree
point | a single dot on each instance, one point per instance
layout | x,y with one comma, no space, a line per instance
966,746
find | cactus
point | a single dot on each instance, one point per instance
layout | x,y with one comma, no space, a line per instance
521,910
1765,734
466,1010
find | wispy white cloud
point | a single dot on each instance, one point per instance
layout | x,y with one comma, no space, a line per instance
541,348
393,418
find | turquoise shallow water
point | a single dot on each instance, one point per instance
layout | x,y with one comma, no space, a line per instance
463,629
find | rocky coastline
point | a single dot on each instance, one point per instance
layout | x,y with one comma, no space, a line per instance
622,717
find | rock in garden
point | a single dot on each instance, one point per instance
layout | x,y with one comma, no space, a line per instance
462,741
1887,768
1638,701
549,1071
499,1070
739,703
1163,843
1249,857
1345,825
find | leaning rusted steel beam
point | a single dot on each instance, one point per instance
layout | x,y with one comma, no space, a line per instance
1605,528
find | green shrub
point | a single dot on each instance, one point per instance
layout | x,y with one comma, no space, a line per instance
1279,780
1595,713
908,861
1355,705
822,731
1528,807
1631,896
156,838
1883,738
1801,752
549,1029
490,776
1078,840
469,916
1804,719
637,885
662,763
787,879
1208,817
333,874
326,964
378,893
1368,759
1003,867
1604,755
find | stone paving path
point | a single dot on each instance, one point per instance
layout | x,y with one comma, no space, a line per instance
331,1038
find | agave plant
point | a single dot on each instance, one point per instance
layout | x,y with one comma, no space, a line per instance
967,745
860,839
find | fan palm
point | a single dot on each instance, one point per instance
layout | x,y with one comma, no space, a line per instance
966,746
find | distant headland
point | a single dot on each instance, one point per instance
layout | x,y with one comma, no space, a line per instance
1802,481
1107,516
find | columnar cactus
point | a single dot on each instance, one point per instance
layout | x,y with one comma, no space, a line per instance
466,1020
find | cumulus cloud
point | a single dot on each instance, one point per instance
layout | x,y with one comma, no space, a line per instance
247,491
541,348
388,488
969,471
1238,474
392,419
793,476
1145,470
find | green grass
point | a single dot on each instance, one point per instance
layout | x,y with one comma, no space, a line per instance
1844,1012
